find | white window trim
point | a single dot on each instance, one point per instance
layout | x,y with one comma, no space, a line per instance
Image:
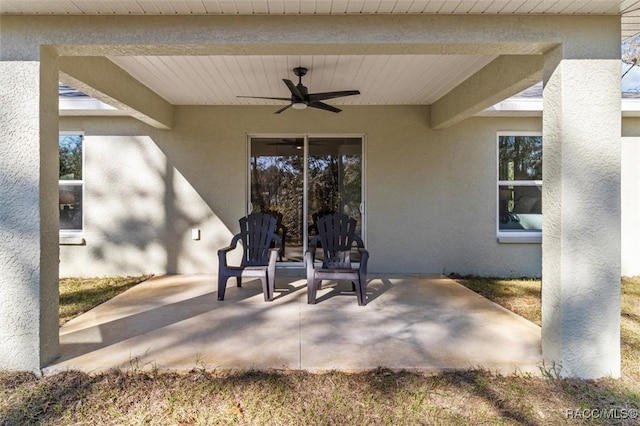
514,237
72,236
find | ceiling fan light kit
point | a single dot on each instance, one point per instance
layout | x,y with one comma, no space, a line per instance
301,98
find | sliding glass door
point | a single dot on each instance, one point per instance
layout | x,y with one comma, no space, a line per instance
299,179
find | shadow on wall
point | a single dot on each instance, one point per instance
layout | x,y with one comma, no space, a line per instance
19,222
139,213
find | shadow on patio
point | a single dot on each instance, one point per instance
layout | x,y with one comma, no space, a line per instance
426,323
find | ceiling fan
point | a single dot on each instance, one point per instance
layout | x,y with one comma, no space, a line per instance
301,98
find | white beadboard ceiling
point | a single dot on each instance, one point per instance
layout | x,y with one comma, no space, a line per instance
382,80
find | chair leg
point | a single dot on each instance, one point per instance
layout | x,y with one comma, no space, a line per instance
271,287
271,275
361,291
361,302
265,289
312,290
222,285
239,281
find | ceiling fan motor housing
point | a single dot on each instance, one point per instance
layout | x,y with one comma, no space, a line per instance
300,71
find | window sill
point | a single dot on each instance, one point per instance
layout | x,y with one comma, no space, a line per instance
69,240
520,238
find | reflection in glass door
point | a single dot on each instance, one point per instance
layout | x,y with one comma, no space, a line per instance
333,183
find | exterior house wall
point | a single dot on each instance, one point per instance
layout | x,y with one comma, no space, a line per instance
630,188
430,194
140,207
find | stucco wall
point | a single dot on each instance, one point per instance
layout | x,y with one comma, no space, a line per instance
630,206
28,229
630,188
430,195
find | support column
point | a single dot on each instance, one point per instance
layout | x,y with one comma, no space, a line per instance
581,232
28,213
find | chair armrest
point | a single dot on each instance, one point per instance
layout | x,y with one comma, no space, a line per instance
313,245
277,241
271,267
222,253
273,255
310,256
358,241
314,242
364,258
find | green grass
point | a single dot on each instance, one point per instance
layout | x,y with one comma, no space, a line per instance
78,295
521,296
380,397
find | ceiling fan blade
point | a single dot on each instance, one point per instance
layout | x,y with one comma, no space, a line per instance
293,89
282,109
314,97
321,105
264,97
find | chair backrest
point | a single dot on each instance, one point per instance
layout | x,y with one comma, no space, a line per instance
336,233
257,232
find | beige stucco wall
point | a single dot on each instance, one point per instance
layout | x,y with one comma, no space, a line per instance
630,188
430,194
630,196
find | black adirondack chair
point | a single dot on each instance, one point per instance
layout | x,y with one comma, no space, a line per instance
336,235
257,233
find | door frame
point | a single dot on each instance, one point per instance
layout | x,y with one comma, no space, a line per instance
305,200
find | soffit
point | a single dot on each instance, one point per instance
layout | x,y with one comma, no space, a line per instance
279,7
629,9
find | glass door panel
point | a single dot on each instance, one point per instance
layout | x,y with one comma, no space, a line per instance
334,179
277,187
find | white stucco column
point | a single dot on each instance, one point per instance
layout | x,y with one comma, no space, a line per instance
28,214
581,231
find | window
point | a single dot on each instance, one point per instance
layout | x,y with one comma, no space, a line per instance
70,184
519,187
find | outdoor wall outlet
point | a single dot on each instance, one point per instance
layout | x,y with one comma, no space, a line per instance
195,234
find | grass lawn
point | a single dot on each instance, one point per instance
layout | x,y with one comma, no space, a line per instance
200,397
78,295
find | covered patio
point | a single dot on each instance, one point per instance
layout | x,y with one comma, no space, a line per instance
421,323
165,162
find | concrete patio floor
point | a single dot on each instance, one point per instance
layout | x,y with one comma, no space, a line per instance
425,323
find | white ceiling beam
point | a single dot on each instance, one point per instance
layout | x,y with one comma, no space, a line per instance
102,79
501,79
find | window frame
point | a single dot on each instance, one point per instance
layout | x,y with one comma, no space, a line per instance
74,236
515,236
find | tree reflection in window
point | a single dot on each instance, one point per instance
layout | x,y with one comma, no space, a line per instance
70,183
520,183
